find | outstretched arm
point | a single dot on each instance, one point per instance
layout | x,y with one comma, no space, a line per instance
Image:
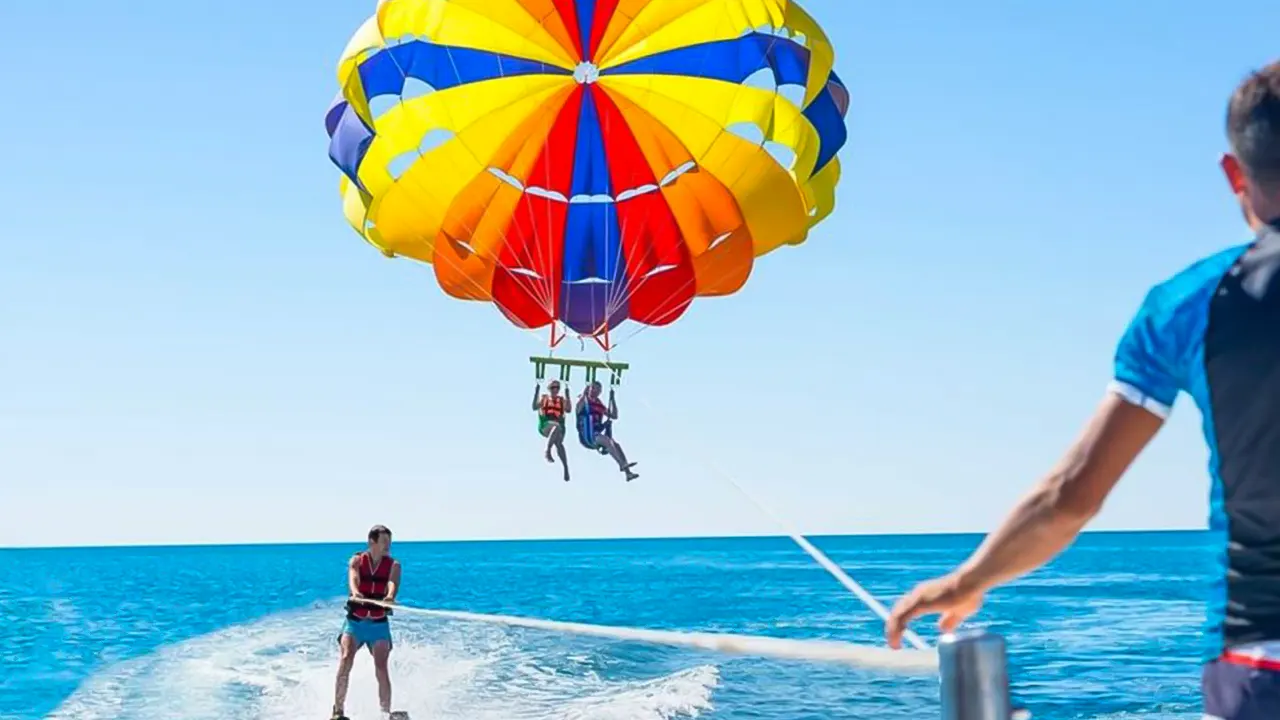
613,407
536,389
1150,369
1055,511
1044,523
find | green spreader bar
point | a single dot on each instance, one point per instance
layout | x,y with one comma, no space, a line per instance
566,367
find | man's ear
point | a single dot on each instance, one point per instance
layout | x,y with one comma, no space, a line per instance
1235,174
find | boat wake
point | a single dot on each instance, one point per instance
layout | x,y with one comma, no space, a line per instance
282,668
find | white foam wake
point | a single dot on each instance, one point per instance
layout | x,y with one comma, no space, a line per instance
282,668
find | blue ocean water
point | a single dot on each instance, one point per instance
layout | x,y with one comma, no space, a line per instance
1109,630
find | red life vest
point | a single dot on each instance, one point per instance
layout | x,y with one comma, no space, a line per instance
372,583
553,406
597,409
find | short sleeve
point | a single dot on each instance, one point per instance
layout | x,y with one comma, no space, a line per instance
1148,361
1156,353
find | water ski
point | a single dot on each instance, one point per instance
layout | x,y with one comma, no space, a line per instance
399,715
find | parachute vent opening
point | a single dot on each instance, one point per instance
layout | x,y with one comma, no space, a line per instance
507,178
767,79
413,88
400,164
762,79
431,140
658,271
719,241
526,272
748,131
685,167
636,192
545,193
792,93
586,73
380,105
434,138
582,199
782,154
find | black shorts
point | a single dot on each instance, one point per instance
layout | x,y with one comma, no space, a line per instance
1236,691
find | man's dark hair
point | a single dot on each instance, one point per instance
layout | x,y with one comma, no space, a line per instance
1253,125
377,531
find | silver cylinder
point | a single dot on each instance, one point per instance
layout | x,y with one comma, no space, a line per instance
975,676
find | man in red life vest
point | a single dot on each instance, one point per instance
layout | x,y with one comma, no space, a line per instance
371,575
551,409
595,427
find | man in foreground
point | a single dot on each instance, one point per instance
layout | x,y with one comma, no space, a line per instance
371,575
1212,331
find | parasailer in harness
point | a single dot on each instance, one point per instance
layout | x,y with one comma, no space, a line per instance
551,409
371,575
595,427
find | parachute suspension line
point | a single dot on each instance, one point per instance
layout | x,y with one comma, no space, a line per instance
683,286
693,279
482,290
626,290
545,299
454,266
621,289
820,557
540,290
861,656
539,293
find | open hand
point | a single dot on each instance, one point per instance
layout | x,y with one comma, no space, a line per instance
947,595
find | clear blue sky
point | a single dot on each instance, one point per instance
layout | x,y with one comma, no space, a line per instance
194,347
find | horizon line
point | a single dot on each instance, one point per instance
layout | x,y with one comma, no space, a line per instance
566,539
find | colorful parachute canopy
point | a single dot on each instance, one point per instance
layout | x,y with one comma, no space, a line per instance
587,161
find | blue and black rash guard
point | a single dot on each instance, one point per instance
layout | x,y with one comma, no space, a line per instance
1213,331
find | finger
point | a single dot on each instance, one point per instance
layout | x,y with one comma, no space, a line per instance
920,601
893,627
902,614
893,633
951,620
